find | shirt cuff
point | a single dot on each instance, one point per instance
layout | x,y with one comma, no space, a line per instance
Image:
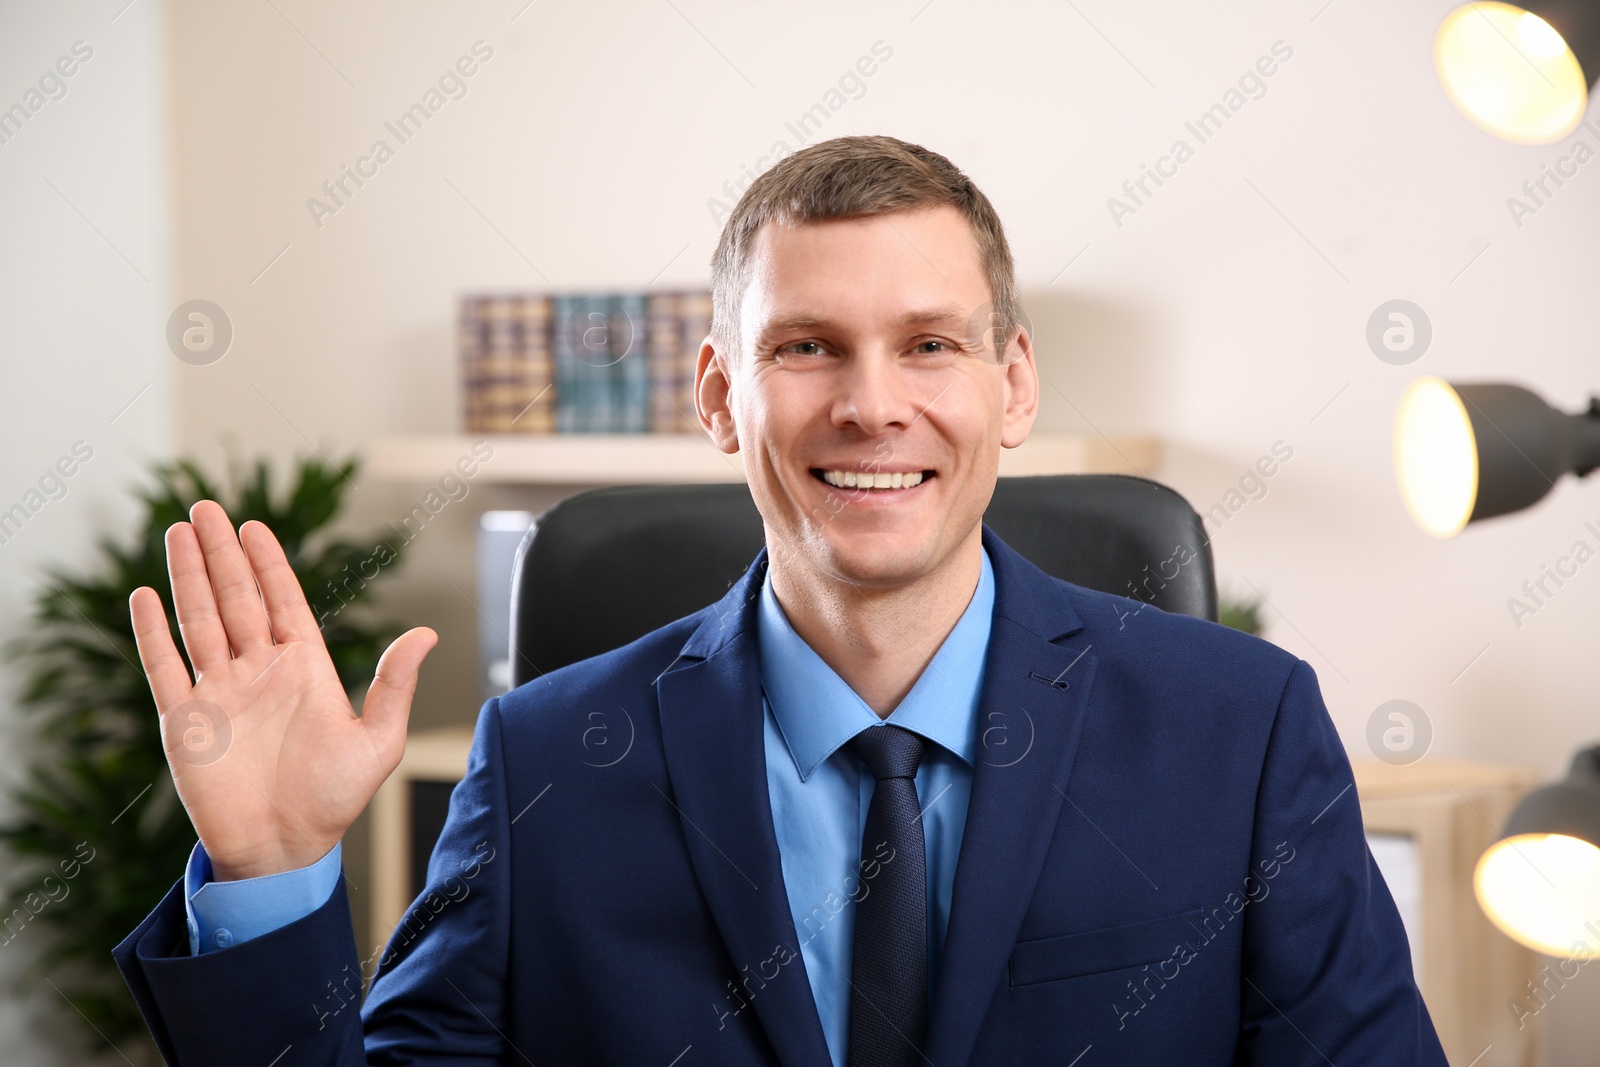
223,914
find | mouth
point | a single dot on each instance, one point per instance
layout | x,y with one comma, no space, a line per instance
872,481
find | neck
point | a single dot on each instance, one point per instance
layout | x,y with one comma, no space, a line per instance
879,639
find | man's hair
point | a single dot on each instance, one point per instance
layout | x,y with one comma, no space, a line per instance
856,177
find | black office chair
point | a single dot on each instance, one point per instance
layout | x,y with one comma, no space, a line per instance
606,566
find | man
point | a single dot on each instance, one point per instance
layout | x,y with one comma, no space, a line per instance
899,797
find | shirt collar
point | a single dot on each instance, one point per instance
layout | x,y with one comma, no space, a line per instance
817,711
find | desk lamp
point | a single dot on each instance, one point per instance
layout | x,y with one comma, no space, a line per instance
1469,452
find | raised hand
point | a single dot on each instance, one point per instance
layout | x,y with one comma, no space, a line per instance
270,759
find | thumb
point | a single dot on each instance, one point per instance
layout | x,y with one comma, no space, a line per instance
388,704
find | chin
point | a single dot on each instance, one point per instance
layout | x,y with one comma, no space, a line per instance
871,557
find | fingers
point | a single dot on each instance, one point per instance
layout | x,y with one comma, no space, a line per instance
238,599
388,703
287,612
194,600
163,667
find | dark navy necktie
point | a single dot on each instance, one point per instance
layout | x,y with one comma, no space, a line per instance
889,971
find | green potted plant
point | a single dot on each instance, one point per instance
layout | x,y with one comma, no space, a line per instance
99,835
1242,614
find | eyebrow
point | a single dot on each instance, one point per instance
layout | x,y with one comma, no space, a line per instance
942,313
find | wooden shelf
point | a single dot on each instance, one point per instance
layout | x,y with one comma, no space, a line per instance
663,459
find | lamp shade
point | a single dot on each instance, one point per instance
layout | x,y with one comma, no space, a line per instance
1465,452
1540,883
1521,72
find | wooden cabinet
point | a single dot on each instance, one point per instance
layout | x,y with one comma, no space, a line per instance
406,806
1445,814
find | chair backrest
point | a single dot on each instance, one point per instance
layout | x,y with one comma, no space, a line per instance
603,567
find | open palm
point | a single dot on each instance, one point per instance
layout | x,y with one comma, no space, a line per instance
269,757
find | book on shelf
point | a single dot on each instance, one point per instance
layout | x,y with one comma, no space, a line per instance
678,323
631,357
581,363
505,351
574,344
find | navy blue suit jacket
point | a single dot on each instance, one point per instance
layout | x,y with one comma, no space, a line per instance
1163,862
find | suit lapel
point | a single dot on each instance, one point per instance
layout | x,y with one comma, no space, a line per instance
1028,734
711,724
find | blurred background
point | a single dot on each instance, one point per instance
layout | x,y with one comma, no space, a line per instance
1221,314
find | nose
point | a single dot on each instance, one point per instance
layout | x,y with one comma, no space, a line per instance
876,393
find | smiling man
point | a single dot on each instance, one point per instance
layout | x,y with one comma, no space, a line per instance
806,858
856,349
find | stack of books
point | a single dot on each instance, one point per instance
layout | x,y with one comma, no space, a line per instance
582,363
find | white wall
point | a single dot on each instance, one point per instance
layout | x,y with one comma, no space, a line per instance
83,307
1224,315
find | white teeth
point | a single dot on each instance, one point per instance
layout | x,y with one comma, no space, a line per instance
863,480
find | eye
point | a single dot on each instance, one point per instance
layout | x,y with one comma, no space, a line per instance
801,349
934,346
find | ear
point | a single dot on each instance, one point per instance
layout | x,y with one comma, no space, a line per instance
712,390
1021,387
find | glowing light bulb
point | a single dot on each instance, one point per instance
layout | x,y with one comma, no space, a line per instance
1543,890
1435,457
1510,72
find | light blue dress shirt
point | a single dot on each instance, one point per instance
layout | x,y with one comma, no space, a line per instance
223,914
820,794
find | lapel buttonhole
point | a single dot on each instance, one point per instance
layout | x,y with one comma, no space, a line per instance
1055,683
